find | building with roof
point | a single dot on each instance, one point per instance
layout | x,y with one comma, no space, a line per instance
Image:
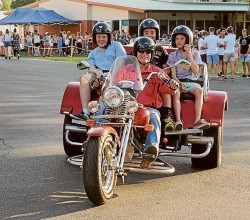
127,15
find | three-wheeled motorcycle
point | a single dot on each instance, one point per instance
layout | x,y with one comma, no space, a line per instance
111,143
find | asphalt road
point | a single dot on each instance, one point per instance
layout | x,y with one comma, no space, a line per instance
37,183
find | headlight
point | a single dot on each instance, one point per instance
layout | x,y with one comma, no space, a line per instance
93,106
132,106
113,96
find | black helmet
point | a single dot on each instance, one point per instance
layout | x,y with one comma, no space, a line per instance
149,23
101,28
144,43
184,30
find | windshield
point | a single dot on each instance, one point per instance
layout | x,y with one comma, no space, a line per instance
126,69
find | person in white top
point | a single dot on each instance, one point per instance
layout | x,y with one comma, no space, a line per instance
229,52
7,39
211,43
221,34
202,49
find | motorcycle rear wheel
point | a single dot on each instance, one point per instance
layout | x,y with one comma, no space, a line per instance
99,178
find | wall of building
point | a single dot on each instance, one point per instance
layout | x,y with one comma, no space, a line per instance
105,13
69,9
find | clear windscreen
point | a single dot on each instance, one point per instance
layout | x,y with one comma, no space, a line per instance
126,69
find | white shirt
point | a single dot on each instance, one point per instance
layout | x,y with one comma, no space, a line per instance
211,42
201,43
221,49
230,39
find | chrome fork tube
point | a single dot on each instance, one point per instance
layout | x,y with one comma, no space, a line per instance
124,144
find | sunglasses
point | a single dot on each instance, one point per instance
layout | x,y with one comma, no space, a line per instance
148,51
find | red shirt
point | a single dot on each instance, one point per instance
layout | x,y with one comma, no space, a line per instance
150,95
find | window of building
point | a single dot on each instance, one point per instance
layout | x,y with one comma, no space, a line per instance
172,25
164,27
133,27
199,25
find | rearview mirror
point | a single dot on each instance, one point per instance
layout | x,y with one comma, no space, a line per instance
82,65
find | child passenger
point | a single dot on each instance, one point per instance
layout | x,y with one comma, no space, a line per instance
182,39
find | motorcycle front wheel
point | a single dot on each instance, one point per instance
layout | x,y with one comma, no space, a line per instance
99,177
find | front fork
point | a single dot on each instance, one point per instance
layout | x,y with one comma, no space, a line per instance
123,147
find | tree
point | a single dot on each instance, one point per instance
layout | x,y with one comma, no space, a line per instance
5,5
19,3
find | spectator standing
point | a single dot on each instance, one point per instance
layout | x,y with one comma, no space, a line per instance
29,42
79,41
124,38
86,40
211,43
60,45
244,52
196,39
46,44
229,53
37,42
236,50
16,43
1,44
202,49
7,44
222,34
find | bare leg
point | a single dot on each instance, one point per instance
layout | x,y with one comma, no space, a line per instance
198,93
177,105
84,92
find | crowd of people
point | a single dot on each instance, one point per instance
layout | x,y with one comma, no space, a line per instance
221,48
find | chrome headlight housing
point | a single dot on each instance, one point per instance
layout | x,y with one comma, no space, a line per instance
93,106
113,96
131,106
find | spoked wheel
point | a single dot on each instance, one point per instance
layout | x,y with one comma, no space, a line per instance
99,177
72,150
213,159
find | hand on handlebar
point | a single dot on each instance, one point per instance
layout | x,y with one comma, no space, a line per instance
173,84
96,84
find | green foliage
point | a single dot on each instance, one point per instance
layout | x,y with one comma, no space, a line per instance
19,3
5,5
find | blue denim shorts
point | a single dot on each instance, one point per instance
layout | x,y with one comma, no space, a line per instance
213,59
245,58
191,85
7,44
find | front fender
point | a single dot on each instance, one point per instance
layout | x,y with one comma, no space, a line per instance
102,131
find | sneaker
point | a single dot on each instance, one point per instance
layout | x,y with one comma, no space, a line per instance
225,77
201,124
147,161
244,75
232,78
178,125
169,124
81,116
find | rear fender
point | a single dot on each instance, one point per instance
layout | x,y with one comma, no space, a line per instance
212,110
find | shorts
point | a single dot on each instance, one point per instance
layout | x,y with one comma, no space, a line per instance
245,58
213,59
221,57
7,44
229,57
37,44
191,85
46,46
204,58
